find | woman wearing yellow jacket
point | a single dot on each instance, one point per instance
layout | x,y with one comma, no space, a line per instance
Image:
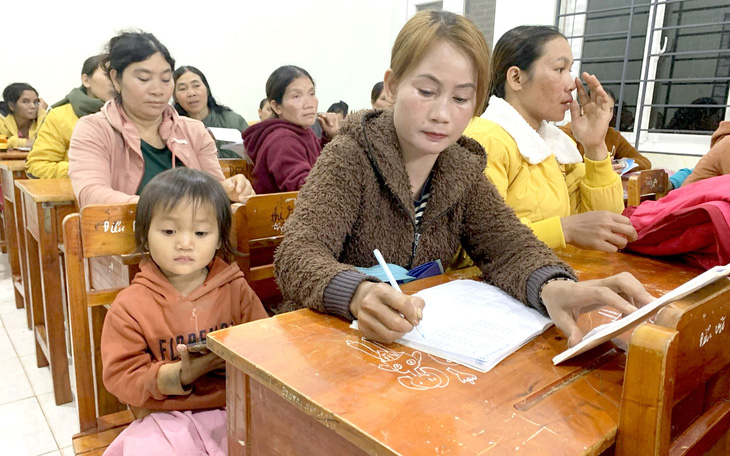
49,157
24,112
536,167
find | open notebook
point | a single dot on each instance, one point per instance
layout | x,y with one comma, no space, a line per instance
474,324
608,331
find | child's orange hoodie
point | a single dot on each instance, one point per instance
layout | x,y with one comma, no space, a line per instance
149,318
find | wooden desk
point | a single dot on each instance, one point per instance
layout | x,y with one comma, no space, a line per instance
45,203
13,154
10,171
304,383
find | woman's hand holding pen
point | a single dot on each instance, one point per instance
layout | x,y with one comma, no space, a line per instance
384,314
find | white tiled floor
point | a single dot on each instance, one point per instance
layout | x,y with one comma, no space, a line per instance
31,424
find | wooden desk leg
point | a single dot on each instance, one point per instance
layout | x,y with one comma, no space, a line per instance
237,410
34,294
22,284
53,302
12,237
3,231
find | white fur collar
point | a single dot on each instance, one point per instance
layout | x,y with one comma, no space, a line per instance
534,146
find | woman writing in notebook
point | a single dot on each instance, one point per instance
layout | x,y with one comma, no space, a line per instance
406,182
115,152
536,167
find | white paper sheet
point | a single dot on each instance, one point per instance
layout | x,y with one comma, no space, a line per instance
474,324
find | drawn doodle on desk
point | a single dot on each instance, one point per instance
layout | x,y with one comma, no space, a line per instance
463,376
444,361
409,364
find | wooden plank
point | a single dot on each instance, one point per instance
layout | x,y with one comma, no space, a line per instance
96,441
79,324
48,190
100,222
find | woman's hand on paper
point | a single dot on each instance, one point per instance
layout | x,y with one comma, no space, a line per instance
384,314
565,300
590,116
598,230
238,188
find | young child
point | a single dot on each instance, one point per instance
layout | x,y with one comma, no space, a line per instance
181,293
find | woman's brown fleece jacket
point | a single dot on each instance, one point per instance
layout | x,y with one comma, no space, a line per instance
358,198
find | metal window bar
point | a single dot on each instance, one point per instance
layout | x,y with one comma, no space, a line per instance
708,51
717,81
683,27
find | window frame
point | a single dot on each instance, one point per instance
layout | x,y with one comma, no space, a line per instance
574,14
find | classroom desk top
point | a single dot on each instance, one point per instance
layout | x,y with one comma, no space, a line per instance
12,165
47,190
395,400
13,154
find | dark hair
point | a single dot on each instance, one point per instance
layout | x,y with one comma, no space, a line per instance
375,93
131,47
340,107
704,117
519,47
280,79
212,104
169,188
12,93
263,102
91,64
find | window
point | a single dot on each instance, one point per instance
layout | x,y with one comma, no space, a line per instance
666,61
455,6
430,5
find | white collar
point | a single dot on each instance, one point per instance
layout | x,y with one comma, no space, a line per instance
534,146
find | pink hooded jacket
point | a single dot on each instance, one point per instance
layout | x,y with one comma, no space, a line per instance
105,155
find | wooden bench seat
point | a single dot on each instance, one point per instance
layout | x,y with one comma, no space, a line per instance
95,441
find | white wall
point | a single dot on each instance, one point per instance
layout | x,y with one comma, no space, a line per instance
508,14
344,44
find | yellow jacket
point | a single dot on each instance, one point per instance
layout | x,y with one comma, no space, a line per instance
9,128
49,157
542,193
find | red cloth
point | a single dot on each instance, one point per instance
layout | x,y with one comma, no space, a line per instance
283,154
692,221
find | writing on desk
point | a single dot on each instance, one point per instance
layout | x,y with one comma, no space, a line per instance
711,329
414,376
113,226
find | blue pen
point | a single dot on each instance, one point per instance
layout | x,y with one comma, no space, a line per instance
391,279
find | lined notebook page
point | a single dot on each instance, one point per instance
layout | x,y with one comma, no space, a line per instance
474,324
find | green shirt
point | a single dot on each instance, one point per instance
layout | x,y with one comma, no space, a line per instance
225,119
155,161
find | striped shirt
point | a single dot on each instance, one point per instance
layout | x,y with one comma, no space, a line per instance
420,203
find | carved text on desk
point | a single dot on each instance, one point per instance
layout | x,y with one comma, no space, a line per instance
283,210
707,333
414,375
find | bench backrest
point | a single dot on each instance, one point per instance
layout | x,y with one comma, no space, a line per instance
97,231
647,184
676,397
258,230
